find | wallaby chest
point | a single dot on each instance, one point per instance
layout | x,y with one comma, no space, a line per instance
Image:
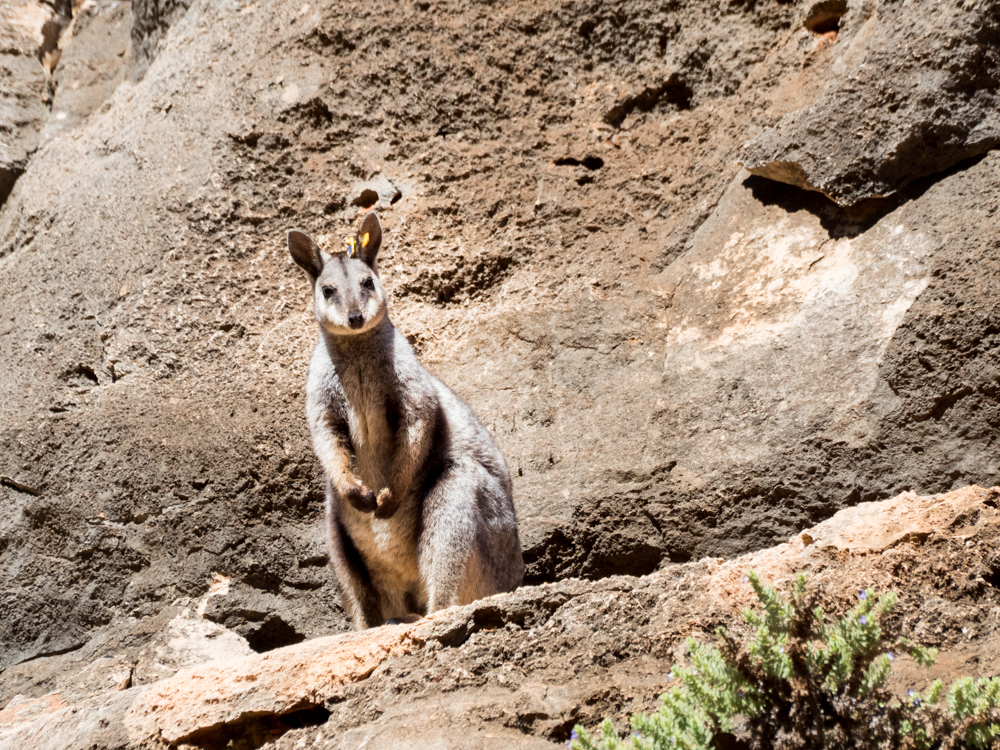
388,546
374,415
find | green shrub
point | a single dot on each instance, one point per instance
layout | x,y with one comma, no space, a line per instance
802,682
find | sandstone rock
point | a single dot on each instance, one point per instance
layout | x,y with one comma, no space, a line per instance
127,654
210,479
543,658
915,93
185,641
96,51
151,20
202,701
97,722
522,668
55,69
256,616
24,85
375,194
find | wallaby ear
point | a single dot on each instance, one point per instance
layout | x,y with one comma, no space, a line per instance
305,252
369,239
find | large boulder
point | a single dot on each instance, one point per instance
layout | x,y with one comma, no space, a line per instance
915,92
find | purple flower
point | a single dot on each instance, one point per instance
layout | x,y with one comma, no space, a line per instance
910,693
863,595
573,735
863,620
891,656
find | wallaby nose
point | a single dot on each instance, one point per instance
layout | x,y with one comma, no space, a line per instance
355,320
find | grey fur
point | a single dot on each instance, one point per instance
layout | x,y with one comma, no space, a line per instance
419,508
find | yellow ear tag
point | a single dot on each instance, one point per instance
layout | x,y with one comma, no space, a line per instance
364,240
350,246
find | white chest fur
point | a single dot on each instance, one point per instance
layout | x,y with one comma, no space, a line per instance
374,445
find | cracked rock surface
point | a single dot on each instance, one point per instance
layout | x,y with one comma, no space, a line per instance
523,668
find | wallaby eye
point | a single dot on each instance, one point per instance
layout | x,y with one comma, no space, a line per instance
329,293
368,282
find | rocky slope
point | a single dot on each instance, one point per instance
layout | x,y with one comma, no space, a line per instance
521,669
681,357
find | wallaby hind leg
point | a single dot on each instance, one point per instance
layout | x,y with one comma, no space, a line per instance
465,538
359,598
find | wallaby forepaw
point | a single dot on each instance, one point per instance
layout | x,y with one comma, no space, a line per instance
361,498
385,506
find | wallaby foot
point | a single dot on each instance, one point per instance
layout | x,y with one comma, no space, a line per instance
404,620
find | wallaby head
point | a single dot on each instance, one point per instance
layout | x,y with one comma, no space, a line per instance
347,294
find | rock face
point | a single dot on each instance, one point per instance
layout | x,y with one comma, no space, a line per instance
93,62
916,93
679,358
25,37
523,668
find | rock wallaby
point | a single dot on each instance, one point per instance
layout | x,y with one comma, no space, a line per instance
418,496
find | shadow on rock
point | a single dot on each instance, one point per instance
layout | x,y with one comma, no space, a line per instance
845,221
